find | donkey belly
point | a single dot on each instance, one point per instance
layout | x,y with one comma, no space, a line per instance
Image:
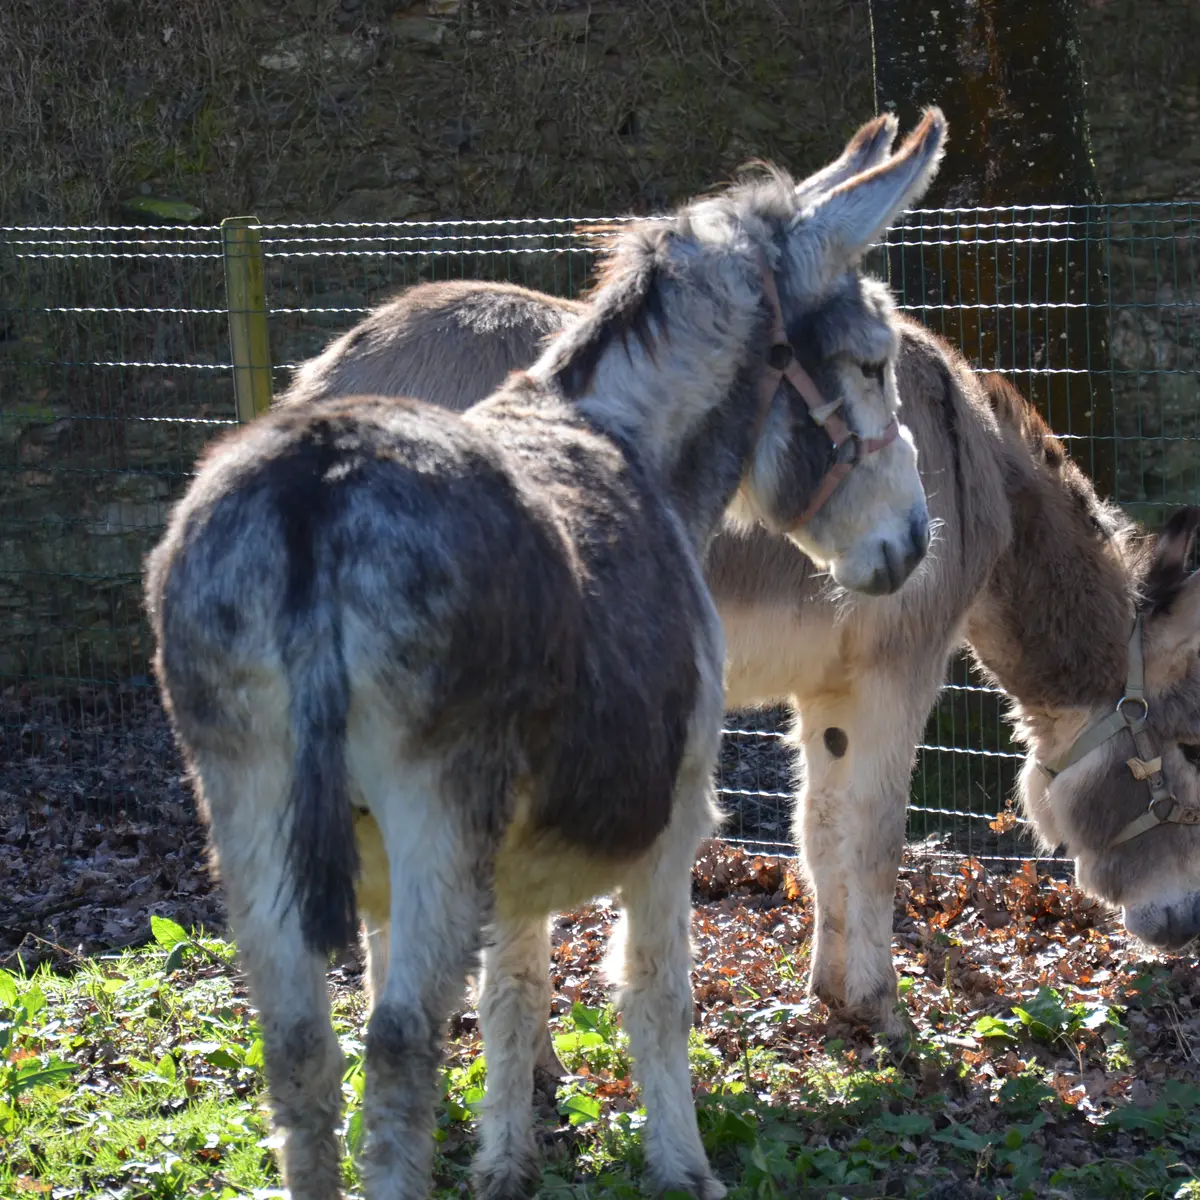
772,650
539,872
786,640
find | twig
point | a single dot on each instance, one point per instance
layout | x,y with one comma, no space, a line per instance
50,910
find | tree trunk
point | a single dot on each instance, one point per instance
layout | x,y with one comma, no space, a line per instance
1023,290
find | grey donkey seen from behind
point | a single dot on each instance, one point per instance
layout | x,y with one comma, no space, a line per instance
456,672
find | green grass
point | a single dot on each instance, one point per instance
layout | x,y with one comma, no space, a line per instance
140,1075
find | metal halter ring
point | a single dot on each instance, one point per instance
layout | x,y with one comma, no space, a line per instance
1124,700
1163,807
850,451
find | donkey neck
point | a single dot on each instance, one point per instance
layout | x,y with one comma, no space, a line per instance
1053,623
676,383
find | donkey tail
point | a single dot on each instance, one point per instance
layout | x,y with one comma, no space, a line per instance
322,851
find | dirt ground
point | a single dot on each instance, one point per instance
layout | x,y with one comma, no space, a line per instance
80,876
98,828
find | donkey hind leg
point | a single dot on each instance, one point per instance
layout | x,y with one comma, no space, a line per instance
437,906
374,904
650,962
514,997
303,1061
818,834
547,1067
858,756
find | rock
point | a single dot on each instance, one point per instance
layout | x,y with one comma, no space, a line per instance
379,169
419,29
296,53
566,26
457,134
380,204
160,209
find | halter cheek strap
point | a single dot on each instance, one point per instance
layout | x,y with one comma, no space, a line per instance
849,448
1132,713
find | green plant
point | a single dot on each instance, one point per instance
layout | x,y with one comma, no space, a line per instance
23,1066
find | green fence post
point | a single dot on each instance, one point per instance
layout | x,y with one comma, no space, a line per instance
246,292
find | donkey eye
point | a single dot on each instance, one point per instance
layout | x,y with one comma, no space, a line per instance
1191,751
874,370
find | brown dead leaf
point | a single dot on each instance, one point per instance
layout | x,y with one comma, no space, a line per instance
793,885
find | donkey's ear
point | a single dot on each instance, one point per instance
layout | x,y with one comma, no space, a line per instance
868,148
1169,567
850,218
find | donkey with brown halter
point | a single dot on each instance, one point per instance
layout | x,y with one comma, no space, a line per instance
489,637
1028,566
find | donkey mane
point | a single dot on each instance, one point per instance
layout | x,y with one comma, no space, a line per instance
626,302
625,283
1095,551
1124,537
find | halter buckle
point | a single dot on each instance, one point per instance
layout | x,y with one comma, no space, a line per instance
1124,700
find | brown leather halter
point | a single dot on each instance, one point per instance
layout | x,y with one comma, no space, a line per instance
849,448
1132,713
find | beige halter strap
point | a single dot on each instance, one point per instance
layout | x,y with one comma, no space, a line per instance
1132,713
849,448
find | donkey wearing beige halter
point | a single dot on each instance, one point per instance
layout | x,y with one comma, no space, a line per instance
457,672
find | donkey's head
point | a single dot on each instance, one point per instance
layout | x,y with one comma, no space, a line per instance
851,500
1125,794
1093,629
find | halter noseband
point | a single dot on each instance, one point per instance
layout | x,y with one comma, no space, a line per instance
1132,713
849,448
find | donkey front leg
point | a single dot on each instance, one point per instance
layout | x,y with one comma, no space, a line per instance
287,982
650,961
514,997
858,756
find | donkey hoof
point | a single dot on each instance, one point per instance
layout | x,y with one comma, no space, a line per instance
883,1014
893,1020
829,990
547,1064
701,1186
506,1181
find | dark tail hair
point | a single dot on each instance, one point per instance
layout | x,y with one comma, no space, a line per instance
322,852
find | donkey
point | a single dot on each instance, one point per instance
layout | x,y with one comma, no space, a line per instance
489,636
1029,567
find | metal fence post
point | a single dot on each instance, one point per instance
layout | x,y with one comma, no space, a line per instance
245,288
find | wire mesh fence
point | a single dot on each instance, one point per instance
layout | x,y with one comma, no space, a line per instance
115,370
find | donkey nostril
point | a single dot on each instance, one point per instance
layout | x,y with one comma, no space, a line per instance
1178,928
918,532
897,569
919,527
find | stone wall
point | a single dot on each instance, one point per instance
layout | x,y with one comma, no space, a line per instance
361,109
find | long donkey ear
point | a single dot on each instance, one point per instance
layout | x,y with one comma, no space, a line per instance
868,148
1169,567
855,214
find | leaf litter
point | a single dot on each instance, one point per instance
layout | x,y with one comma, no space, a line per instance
1047,1046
